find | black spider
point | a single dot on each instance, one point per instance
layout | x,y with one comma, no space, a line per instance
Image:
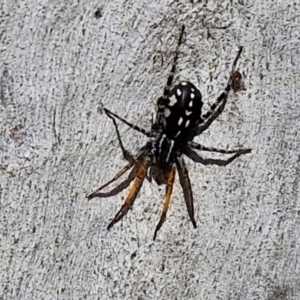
177,121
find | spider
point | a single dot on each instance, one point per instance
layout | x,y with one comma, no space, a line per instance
178,120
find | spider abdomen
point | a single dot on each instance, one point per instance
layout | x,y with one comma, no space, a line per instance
183,110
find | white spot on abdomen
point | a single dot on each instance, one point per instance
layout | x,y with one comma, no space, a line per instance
178,91
177,134
170,150
161,142
180,121
173,100
187,123
167,112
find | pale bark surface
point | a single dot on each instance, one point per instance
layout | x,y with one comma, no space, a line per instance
58,62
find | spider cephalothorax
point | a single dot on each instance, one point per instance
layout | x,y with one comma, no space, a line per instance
177,121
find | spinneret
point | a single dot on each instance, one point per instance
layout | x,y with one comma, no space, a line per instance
178,119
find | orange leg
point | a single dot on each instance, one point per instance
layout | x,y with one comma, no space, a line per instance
126,168
138,182
169,188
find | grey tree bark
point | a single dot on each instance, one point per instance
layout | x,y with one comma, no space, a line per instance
59,61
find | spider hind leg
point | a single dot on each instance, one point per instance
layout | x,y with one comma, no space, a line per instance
189,152
127,155
173,68
112,115
200,147
235,83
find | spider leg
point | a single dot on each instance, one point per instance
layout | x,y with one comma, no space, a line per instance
134,127
127,155
139,179
132,162
197,146
211,161
163,100
117,189
218,107
173,69
169,188
187,188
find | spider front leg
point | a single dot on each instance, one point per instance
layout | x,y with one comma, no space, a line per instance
200,147
212,161
169,189
139,179
123,185
186,188
235,83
